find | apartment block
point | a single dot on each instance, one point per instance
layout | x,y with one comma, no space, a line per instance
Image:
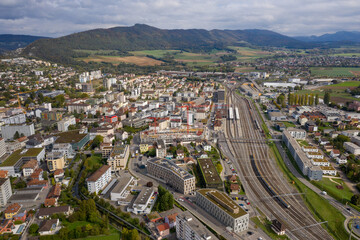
5,191
99,179
167,171
119,157
223,208
189,227
64,124
8,131
55,161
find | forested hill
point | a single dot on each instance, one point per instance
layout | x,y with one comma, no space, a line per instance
12,42
144,37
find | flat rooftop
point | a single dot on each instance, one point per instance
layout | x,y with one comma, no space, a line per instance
223,201
18,154
209,171
122,184
196,225
327,168
144,196
172,167
23,197
70,137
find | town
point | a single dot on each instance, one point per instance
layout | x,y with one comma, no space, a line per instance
257,154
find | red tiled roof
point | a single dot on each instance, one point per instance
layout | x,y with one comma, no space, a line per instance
162,227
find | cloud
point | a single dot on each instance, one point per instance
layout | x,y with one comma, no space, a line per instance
291,17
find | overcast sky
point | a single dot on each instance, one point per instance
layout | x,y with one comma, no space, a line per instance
56,18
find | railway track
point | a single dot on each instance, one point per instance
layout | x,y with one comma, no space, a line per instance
257,169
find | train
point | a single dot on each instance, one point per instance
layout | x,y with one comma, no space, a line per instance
231,113
256,123
237,116
267,186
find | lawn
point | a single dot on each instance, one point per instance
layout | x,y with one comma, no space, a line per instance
342,195
335,71
288,124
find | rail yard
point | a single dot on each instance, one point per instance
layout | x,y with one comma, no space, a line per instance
245,145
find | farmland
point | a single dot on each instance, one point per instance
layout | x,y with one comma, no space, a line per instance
338,91
334,72
138,60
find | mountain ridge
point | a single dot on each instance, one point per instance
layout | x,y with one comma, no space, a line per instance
10,42
145,37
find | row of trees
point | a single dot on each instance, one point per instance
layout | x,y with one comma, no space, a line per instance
295,99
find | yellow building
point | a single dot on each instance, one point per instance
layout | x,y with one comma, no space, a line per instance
144,147
12,210
55,161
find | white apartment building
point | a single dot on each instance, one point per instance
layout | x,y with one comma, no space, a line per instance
352,148
64,124
223,208
189,227
99,179
297,133
2,147
8,131
5,191
142,201
65,148
167,171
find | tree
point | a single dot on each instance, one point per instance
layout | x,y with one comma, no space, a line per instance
355,199
327,98
33,228
97,141
45,175
316,99
16,135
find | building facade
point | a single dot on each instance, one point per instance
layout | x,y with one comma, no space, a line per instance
8,131
189,227
119,157
223,208
5,191
99,179
167,171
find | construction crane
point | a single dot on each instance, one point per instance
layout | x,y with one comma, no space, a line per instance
18,97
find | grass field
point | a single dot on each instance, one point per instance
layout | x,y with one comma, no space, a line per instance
138,60
155,53
334,72
342,195
346,54
338,93
249,54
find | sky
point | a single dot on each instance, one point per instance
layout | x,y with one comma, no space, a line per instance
55,18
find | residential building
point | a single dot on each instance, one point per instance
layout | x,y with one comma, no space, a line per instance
160,148
78,107
99,179
12,210
64,148
5,191
2,147
352,148
6,226
8,131
64,124
48,226
297,133
167,171
308,169
223,208
119,157
48,212
189,227
106,149
29,167
55,160
163,230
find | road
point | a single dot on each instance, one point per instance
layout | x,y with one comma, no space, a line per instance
255,165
